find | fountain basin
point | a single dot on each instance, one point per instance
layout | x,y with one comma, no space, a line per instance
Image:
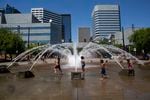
124,72
4,69
77,75
25,74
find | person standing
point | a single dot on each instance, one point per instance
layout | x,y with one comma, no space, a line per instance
130,68
103,68
82,63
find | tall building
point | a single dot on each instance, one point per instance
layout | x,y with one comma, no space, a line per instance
84,34
105,20
66,27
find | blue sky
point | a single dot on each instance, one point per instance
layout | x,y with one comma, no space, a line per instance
135,12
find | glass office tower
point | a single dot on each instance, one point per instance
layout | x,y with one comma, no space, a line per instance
66,27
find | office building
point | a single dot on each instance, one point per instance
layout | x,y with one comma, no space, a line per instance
62,21
32,30
66,27
83,34
29,28
105,20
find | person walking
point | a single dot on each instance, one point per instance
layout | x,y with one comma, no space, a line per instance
57,66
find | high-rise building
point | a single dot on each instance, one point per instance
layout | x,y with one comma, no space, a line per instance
84,34
106,20
66,27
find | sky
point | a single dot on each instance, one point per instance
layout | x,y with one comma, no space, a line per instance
135,12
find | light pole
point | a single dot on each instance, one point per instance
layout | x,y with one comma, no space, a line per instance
18,29
50,22
123,38
18,33
28,36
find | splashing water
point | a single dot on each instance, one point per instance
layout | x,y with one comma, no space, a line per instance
69,51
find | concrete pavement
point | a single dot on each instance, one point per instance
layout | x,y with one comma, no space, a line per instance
49,86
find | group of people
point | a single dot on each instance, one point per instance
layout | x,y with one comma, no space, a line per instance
103,65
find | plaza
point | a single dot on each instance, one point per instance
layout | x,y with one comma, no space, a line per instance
46,85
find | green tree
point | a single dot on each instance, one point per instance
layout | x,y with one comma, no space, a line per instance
141,40
10,42
103,41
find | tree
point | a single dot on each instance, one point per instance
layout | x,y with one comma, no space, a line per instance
141,40
10,42
104,41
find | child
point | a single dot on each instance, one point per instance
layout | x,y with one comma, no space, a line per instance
130,68
82,63
103,68
58,65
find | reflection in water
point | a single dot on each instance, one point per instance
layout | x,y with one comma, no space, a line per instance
104,86
11,88
58,77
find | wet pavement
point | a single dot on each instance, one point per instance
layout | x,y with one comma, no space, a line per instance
49,86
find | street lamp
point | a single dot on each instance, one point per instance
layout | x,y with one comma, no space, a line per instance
18,29
62,40
28,36
50,21
123,38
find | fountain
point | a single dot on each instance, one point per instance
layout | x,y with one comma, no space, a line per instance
76,74
69,52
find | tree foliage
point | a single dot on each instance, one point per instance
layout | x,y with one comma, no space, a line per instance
103,41
141,39
10,42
